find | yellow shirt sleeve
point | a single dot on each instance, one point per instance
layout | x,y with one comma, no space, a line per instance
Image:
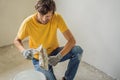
22,32
61,24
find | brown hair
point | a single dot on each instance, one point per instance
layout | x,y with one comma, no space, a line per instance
44,6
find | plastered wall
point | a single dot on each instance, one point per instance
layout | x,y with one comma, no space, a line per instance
12,13
96,27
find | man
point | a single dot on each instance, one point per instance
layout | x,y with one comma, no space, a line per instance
41,28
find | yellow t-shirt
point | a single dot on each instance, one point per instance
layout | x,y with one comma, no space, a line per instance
42,34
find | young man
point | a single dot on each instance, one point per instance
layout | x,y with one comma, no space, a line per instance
41,28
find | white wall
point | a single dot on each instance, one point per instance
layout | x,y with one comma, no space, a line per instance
96,27
12,13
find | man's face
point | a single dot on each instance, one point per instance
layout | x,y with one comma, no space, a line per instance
44,19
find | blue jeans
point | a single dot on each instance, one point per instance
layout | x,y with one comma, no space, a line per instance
74,56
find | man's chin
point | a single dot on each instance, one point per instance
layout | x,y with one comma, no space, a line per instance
44,22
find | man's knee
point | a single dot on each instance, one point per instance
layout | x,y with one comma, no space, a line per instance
77,51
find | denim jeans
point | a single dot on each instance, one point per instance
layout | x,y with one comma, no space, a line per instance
74,57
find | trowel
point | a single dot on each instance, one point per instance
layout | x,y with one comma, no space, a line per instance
43,57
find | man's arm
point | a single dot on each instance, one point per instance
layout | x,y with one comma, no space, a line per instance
70,42
53,60
18,43
27,53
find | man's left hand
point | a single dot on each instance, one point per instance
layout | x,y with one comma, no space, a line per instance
53,60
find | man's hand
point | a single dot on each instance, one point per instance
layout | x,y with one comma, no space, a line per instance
28,54
53,60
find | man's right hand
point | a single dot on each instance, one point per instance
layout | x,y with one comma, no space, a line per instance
28,54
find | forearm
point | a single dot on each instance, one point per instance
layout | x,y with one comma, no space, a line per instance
69,45
70,42
18,44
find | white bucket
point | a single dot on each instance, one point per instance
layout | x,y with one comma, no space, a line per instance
30,75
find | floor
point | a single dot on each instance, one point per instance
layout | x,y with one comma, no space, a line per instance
12,63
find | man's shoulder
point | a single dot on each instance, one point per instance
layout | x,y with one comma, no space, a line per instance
29,18
57,15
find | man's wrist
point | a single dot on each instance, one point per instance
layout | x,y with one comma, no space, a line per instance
59,55
21,51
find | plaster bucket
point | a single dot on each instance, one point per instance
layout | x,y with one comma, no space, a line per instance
30,75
